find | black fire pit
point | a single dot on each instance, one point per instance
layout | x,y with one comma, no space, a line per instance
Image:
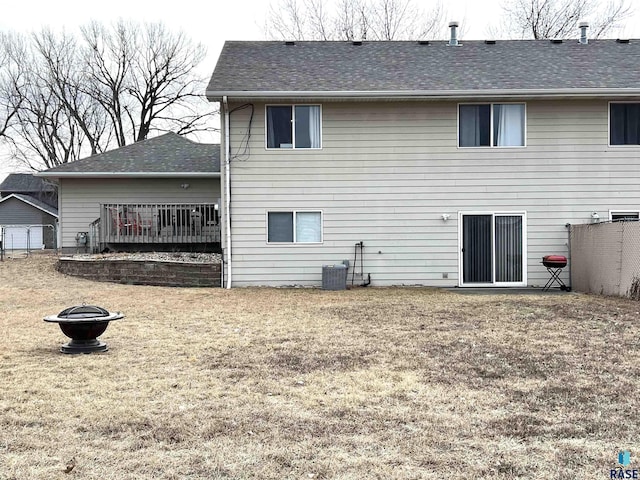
83,324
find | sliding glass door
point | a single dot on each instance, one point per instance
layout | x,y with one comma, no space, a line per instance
493,249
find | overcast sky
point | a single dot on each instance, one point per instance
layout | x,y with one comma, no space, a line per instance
211,22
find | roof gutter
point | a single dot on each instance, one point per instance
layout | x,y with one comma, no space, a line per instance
432,94
48,174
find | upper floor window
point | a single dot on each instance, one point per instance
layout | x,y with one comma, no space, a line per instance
624,124
491,125
293,126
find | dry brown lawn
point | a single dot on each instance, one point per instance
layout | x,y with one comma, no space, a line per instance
373,383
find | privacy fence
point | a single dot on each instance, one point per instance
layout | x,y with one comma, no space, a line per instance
605,258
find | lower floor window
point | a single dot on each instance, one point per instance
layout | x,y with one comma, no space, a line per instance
621,216
294,227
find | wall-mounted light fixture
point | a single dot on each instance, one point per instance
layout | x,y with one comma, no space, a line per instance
184,185
595,218
445,217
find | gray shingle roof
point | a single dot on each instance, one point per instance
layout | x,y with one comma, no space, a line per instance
25,182
33,201
167,154
412,67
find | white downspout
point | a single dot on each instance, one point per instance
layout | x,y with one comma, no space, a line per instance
227,187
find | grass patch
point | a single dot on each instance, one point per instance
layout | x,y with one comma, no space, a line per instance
297,383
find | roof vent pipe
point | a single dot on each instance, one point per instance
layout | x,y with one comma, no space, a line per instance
583,32
454,33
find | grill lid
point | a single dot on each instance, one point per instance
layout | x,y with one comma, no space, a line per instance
554,258
83,311
554,261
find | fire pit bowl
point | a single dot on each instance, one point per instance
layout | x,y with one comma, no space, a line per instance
83,324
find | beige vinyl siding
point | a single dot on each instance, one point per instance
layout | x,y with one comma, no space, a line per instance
387,171
79,200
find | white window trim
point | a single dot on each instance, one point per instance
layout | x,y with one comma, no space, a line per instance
622,212
491,104
294,212
293,130
609,125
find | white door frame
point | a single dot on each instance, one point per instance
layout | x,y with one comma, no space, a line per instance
493,213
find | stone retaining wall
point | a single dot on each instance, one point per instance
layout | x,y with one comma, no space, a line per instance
143,272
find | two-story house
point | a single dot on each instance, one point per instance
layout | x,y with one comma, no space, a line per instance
454,163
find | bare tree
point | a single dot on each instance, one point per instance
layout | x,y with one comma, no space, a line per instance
77,95
48,135
144,81
610,17
62,72
43,133
350,21
396,19
12,80
541,19
288,21
108,55
319,19
162,84
353,19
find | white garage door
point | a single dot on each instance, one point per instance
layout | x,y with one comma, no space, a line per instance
15,238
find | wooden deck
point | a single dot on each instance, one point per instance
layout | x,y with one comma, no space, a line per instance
157,224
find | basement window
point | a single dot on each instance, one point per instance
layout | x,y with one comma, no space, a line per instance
293,126
618,216
294,227
624,123
491,125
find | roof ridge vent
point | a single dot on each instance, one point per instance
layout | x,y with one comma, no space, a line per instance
289,42
453,41
622,40
556,40
583,32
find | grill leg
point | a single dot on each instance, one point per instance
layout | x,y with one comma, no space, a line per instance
555,278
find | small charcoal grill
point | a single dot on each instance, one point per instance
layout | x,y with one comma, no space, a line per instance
555,264
83,324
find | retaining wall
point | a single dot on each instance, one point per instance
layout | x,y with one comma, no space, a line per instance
143,272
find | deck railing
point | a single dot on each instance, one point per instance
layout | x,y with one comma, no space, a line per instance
159,223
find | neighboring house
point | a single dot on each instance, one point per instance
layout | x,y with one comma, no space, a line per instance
27,223
28,184
456,164
157,194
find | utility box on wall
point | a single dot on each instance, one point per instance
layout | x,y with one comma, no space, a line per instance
334,277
